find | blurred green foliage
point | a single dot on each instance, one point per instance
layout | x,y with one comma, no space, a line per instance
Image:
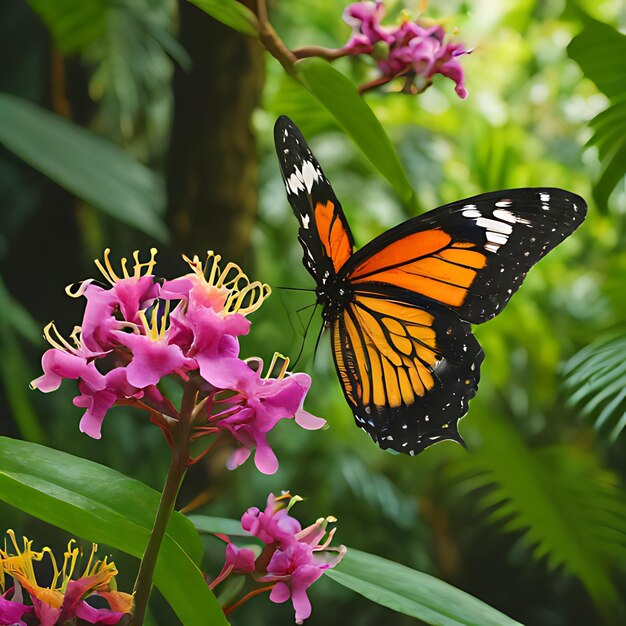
530,517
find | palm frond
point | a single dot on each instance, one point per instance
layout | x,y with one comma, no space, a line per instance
567,509
596,379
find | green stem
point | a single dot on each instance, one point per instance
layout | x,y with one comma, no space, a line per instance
175,475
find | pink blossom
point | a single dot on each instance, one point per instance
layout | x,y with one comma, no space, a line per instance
258,406
293,558
295,564
410,50
364,18
11,611
241,560
58,364
273,525
127,297
99,401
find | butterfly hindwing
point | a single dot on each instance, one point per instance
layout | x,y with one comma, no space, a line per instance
471,255
408,366
324,232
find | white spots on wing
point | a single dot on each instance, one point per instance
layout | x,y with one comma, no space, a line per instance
305,219
471,212
304,178
294,183
494,226
496,238
504,202
544,197
309,175
404,426
507,216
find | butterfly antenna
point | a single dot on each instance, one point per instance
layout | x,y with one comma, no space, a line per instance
306,330
298,311
295,288
317,342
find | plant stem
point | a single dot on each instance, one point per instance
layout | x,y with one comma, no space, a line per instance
175,475
272,42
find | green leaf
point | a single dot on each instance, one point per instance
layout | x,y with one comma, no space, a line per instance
208,524
596,379
600,50
93,169
413,593
231,13
339,95
74,24
14,371
393,585
103,506
570,509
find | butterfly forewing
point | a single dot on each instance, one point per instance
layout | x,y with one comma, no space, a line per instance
471,255
324,232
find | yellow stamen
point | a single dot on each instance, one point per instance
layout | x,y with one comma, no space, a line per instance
231,284
109,274
153,329
55,339
283,367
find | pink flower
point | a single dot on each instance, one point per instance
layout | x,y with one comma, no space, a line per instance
274,524
411,50
240,560
364,18
129,342
11,611
294,564
293,558
257,407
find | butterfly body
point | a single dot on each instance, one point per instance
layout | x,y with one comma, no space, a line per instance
400,309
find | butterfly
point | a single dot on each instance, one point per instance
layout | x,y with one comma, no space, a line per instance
400,309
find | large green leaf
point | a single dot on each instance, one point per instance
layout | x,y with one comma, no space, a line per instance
93,169
231,13
339,95
393,585
568,510
100,505
413,593
600,50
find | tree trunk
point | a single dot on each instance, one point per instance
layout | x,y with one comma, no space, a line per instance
212,165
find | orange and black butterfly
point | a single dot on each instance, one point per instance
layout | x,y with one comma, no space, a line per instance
399,309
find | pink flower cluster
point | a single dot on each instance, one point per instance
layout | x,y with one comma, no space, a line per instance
141,329
410,50
293,558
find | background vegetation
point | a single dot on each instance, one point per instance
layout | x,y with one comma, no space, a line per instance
146,122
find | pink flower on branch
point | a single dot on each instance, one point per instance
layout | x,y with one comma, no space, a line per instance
143,329
292,559
414,51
